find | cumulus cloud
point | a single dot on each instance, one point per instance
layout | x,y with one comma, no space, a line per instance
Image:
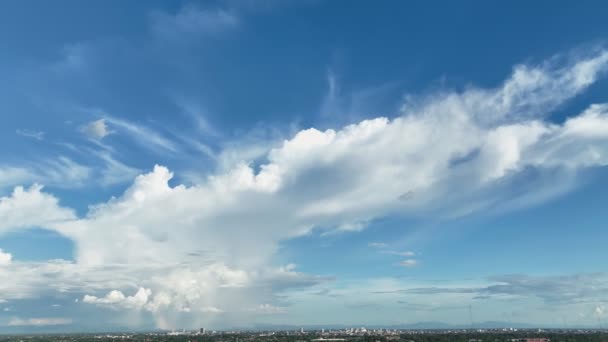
116,298
30,207
97,129
182,249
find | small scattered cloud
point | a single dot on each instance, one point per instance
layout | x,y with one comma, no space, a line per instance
37,135
143,135
377,245
192,20
347,104
599,310
11,175
5,258
384,249
269,309
198,114
75,56
322,292
403,254
38,321
114,171
409,263
555,290
97,129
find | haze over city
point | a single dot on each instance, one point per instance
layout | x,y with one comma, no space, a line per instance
170,165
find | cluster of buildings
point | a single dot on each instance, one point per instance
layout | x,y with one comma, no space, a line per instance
346,334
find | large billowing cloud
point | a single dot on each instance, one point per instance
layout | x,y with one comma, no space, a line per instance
207,250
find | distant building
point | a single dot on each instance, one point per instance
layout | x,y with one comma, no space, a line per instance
202,331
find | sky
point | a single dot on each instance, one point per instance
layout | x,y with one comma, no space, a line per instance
241,164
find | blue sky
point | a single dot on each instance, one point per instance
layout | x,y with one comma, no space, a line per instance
233,163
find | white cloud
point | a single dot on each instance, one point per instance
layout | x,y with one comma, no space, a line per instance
384,248
116,298
211,309
192,20
39,321
143,135
5,258
584,289
269,309
416,299
61,172
97,129
404,254
599,310
30,207
10,176
66,173
350,105
212,244
409,263
331,102
113,170
37,135
197,113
